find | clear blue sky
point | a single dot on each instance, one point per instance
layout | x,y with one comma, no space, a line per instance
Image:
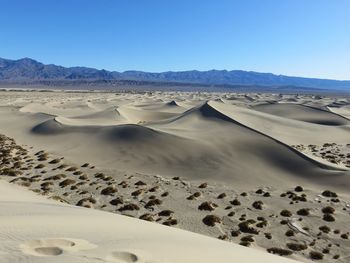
292,37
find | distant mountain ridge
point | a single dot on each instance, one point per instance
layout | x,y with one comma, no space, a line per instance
27,69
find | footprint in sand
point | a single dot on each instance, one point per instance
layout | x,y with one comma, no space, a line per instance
124,257
54,246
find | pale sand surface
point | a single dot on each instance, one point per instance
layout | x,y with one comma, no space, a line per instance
137,144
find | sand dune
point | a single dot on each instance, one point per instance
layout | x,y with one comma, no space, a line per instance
35,229
235,143
303,113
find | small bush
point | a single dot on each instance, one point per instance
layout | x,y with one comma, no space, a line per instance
316,255
211,220
279,251
286,213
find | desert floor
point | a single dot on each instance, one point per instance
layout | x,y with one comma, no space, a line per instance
266,171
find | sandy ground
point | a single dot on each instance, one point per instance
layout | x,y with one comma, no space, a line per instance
267,171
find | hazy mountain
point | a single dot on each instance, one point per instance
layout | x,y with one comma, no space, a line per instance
27,69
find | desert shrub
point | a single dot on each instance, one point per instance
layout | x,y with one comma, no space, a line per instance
221,196
344,236
303,212
286,213
289,233
298,189
208,206
246,227
66,182
165,213
268,235
328,218
153,202
296,246
203,185
235,202
248,238
328,193
164,194
109,190
117,201
258,205
231,214
211,220
54,161
170,222
324,229
137,192
140,183
316,255
129,207
279,251
235,233
147,217
328,210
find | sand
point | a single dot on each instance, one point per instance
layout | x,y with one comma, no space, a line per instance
223,165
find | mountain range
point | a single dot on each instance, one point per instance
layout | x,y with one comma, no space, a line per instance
27,70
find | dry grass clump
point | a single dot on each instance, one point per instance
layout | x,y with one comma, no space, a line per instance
207,206
86,201
66,182
235,202
203,185
153,202
129,207
71,169
235,233
258,205
10,172
286,213
268,235
170,222
315,255
77,172
328,218
328,193
109,190
303,212
54,161
279,251
46,186
165,194
298,189
117,201
296,246
231,214
221,196
137,192
344,236
246,227
193,196
39,166
324,229
83,177
328,210
147,217
289,233
85,165
248,238
140,183
55,177
153,189
165,213
211,220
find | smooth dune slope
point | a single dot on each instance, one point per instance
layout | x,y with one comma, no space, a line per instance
38,230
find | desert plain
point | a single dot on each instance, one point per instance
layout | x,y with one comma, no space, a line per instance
174,177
